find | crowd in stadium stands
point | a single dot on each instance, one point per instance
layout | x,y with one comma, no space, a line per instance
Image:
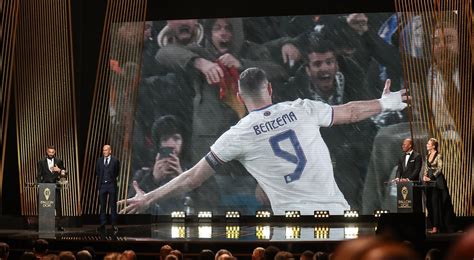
362,248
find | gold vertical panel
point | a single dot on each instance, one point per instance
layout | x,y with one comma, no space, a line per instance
45,98
440,83
115,92
8,29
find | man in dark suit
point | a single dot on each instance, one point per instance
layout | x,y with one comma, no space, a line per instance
107,171
409,165
49,170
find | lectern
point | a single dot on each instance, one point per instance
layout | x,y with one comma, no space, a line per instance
46,207
409,197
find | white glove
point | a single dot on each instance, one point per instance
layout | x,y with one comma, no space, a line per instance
391,101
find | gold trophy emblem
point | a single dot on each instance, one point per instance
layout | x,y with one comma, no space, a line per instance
404,192
47,193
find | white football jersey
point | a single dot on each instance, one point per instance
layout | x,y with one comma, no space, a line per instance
281,146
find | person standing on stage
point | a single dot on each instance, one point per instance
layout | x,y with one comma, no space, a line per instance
50,169
438,201
409,165
107,171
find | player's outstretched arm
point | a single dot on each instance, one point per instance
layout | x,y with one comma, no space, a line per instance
185,182
359,110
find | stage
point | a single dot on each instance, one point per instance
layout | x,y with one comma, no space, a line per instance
190,237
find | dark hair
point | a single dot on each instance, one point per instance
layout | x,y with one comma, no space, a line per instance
206,254
321,46
321,256
165,127
4,249
51,147
270,252
41,246
251,80
308,254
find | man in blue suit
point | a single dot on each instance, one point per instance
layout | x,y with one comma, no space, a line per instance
107,171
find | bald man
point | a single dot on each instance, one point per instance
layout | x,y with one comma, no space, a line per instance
409,165
107,171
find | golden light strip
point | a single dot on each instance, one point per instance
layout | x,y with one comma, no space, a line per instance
110,92
8,28
44,98
458,97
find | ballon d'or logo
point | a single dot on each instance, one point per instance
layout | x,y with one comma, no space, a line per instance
47,193
404,193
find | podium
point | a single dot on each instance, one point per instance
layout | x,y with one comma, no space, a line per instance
407,196
46,207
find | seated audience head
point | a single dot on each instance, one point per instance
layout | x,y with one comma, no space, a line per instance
433,254
321,256
270,252
128,255
284,255
164,251
177,253
222,252
307,255
206,254
258,253
66,255
463,248
41,246
83,255
4,250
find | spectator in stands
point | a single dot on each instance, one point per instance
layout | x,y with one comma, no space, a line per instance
83,255
206,254
349,145
4,251
307,255
258,253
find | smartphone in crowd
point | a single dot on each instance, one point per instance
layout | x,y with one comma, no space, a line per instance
165,152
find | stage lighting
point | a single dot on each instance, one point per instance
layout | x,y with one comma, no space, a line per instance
321,232
178,214
378,213
232,214
262,232
292,214
205,214
321,213
351,232
205,231
351,213
232,232
263,214
178,231
292,232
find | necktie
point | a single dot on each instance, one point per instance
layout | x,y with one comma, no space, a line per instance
106,161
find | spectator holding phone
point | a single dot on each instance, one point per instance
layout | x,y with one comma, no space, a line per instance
170,161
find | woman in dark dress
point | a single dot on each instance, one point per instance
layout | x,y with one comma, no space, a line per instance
438,200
